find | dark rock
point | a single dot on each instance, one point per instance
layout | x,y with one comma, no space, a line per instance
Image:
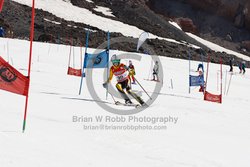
46,38
246,45
229,38
239,19
213,19
186,25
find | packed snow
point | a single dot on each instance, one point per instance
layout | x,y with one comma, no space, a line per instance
175,24
89,1
218,48
205,134
104,10
55,22
212,45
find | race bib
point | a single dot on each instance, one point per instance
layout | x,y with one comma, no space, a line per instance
122,77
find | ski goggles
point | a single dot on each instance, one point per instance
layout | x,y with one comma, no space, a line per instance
116,61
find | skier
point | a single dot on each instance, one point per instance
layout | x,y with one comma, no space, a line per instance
243,67
121,73
156,71
202,85
131,69
231,64
2,32
240,67
200,66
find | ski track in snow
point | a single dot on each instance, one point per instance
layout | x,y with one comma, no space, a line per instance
206,134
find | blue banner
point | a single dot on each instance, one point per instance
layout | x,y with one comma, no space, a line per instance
196,80
96,60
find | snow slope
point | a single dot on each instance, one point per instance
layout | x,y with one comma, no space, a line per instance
104,10
212,45
205,135
219,48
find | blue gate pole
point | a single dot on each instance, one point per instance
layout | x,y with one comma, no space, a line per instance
203,81
108,63
83,74
189,57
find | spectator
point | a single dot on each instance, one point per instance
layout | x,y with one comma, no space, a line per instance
2,33
231,64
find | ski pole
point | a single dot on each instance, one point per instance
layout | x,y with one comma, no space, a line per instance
172,86
143,88
225,89
149,73
217,81
229,83
111,96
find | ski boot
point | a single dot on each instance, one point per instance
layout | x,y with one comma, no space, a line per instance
128,102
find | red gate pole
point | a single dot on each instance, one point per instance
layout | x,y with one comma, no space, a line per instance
205,90
1,5
30,58
221,78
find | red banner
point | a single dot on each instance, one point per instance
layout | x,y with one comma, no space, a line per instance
11,80
213,98
1,5
75,72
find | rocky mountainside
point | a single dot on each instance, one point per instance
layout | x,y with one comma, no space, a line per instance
224,22
149,15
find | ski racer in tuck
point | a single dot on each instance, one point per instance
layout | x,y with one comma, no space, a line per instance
120,71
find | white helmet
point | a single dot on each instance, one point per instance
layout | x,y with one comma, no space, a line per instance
115,59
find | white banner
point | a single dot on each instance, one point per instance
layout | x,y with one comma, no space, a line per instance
142,39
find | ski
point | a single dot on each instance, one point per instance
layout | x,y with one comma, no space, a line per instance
129,105
152,80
